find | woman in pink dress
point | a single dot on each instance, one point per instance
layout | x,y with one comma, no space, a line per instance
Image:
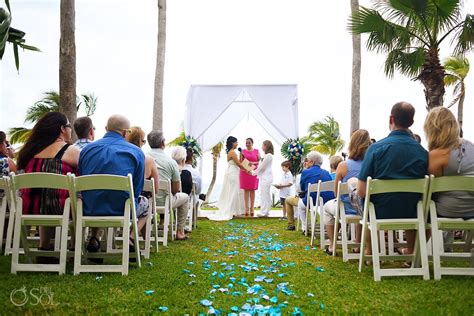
249,183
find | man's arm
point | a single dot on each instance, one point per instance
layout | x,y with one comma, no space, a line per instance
361,186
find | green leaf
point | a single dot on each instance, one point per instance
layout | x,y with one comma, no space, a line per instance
17,58
7,2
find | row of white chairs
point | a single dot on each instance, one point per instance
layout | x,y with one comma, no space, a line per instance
74,223
382,250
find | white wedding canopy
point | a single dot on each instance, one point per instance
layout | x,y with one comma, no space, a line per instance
212,111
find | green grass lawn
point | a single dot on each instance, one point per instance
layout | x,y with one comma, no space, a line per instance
184,273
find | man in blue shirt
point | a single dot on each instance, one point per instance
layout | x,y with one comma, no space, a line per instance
312,174
398,156
111,155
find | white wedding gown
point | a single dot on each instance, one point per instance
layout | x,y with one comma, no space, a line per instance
230,202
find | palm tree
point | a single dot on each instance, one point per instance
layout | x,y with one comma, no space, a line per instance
324,136
11,35
411,33
356,65
216,153
457,69
67,61
49,103
160,67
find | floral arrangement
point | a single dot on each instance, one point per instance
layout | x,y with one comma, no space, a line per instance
191,143
294,150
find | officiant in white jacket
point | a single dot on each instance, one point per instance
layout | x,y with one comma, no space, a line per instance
265,175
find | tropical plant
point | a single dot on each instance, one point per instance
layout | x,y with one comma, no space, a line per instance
188,142
49,103
294,151
457,69
411,34
216,153
11,35
356,65
160,67
324,136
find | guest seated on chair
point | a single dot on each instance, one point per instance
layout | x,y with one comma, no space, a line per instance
449,155
47,149
85,131
137,137
179,155
7,165
112,155
168,170
358,145
398,156
312,175
197,180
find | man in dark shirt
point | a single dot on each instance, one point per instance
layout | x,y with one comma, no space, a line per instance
398,156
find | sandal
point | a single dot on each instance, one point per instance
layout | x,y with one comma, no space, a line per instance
131,250
328,252
355,250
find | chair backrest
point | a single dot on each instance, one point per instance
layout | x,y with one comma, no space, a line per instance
4,186
165,187
326,186
379,186
451,183
103,182
39,180
342,188
149,185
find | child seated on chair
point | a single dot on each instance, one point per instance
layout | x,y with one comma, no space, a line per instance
285,185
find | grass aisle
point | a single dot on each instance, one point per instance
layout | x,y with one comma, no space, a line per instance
219,264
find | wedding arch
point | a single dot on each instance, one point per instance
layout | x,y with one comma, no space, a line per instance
212,111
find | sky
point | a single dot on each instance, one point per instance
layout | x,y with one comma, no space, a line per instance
303,42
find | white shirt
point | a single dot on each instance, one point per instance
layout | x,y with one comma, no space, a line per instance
264,169
197,180
298,184
286,178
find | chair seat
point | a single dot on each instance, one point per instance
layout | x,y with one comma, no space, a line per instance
44,220
455,223
103,221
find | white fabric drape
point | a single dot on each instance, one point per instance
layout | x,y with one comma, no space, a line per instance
211,112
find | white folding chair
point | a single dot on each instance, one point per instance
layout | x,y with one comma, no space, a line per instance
164,192
104,182
39,180
346,222
149,186
310,207
327,186
375,225
191,209
440,224
6,217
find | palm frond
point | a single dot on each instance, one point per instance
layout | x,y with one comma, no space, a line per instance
324,136
457,66
464,38
49,103
450,80
90,103
178,140
408,63
18,134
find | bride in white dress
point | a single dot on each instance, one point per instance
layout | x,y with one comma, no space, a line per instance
230,202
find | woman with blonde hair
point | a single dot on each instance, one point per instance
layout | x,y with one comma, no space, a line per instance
449,155
358,145
265,175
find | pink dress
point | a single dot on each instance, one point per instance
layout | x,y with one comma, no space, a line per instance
248,182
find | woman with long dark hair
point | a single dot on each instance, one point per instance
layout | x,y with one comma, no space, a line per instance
230,202
249,183
47,150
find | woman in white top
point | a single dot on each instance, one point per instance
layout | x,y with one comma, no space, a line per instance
265,175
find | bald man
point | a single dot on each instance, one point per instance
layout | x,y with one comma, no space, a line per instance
111,155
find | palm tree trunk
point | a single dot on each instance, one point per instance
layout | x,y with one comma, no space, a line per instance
461,105
356,66
67,61
432,77
160,67
213,180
